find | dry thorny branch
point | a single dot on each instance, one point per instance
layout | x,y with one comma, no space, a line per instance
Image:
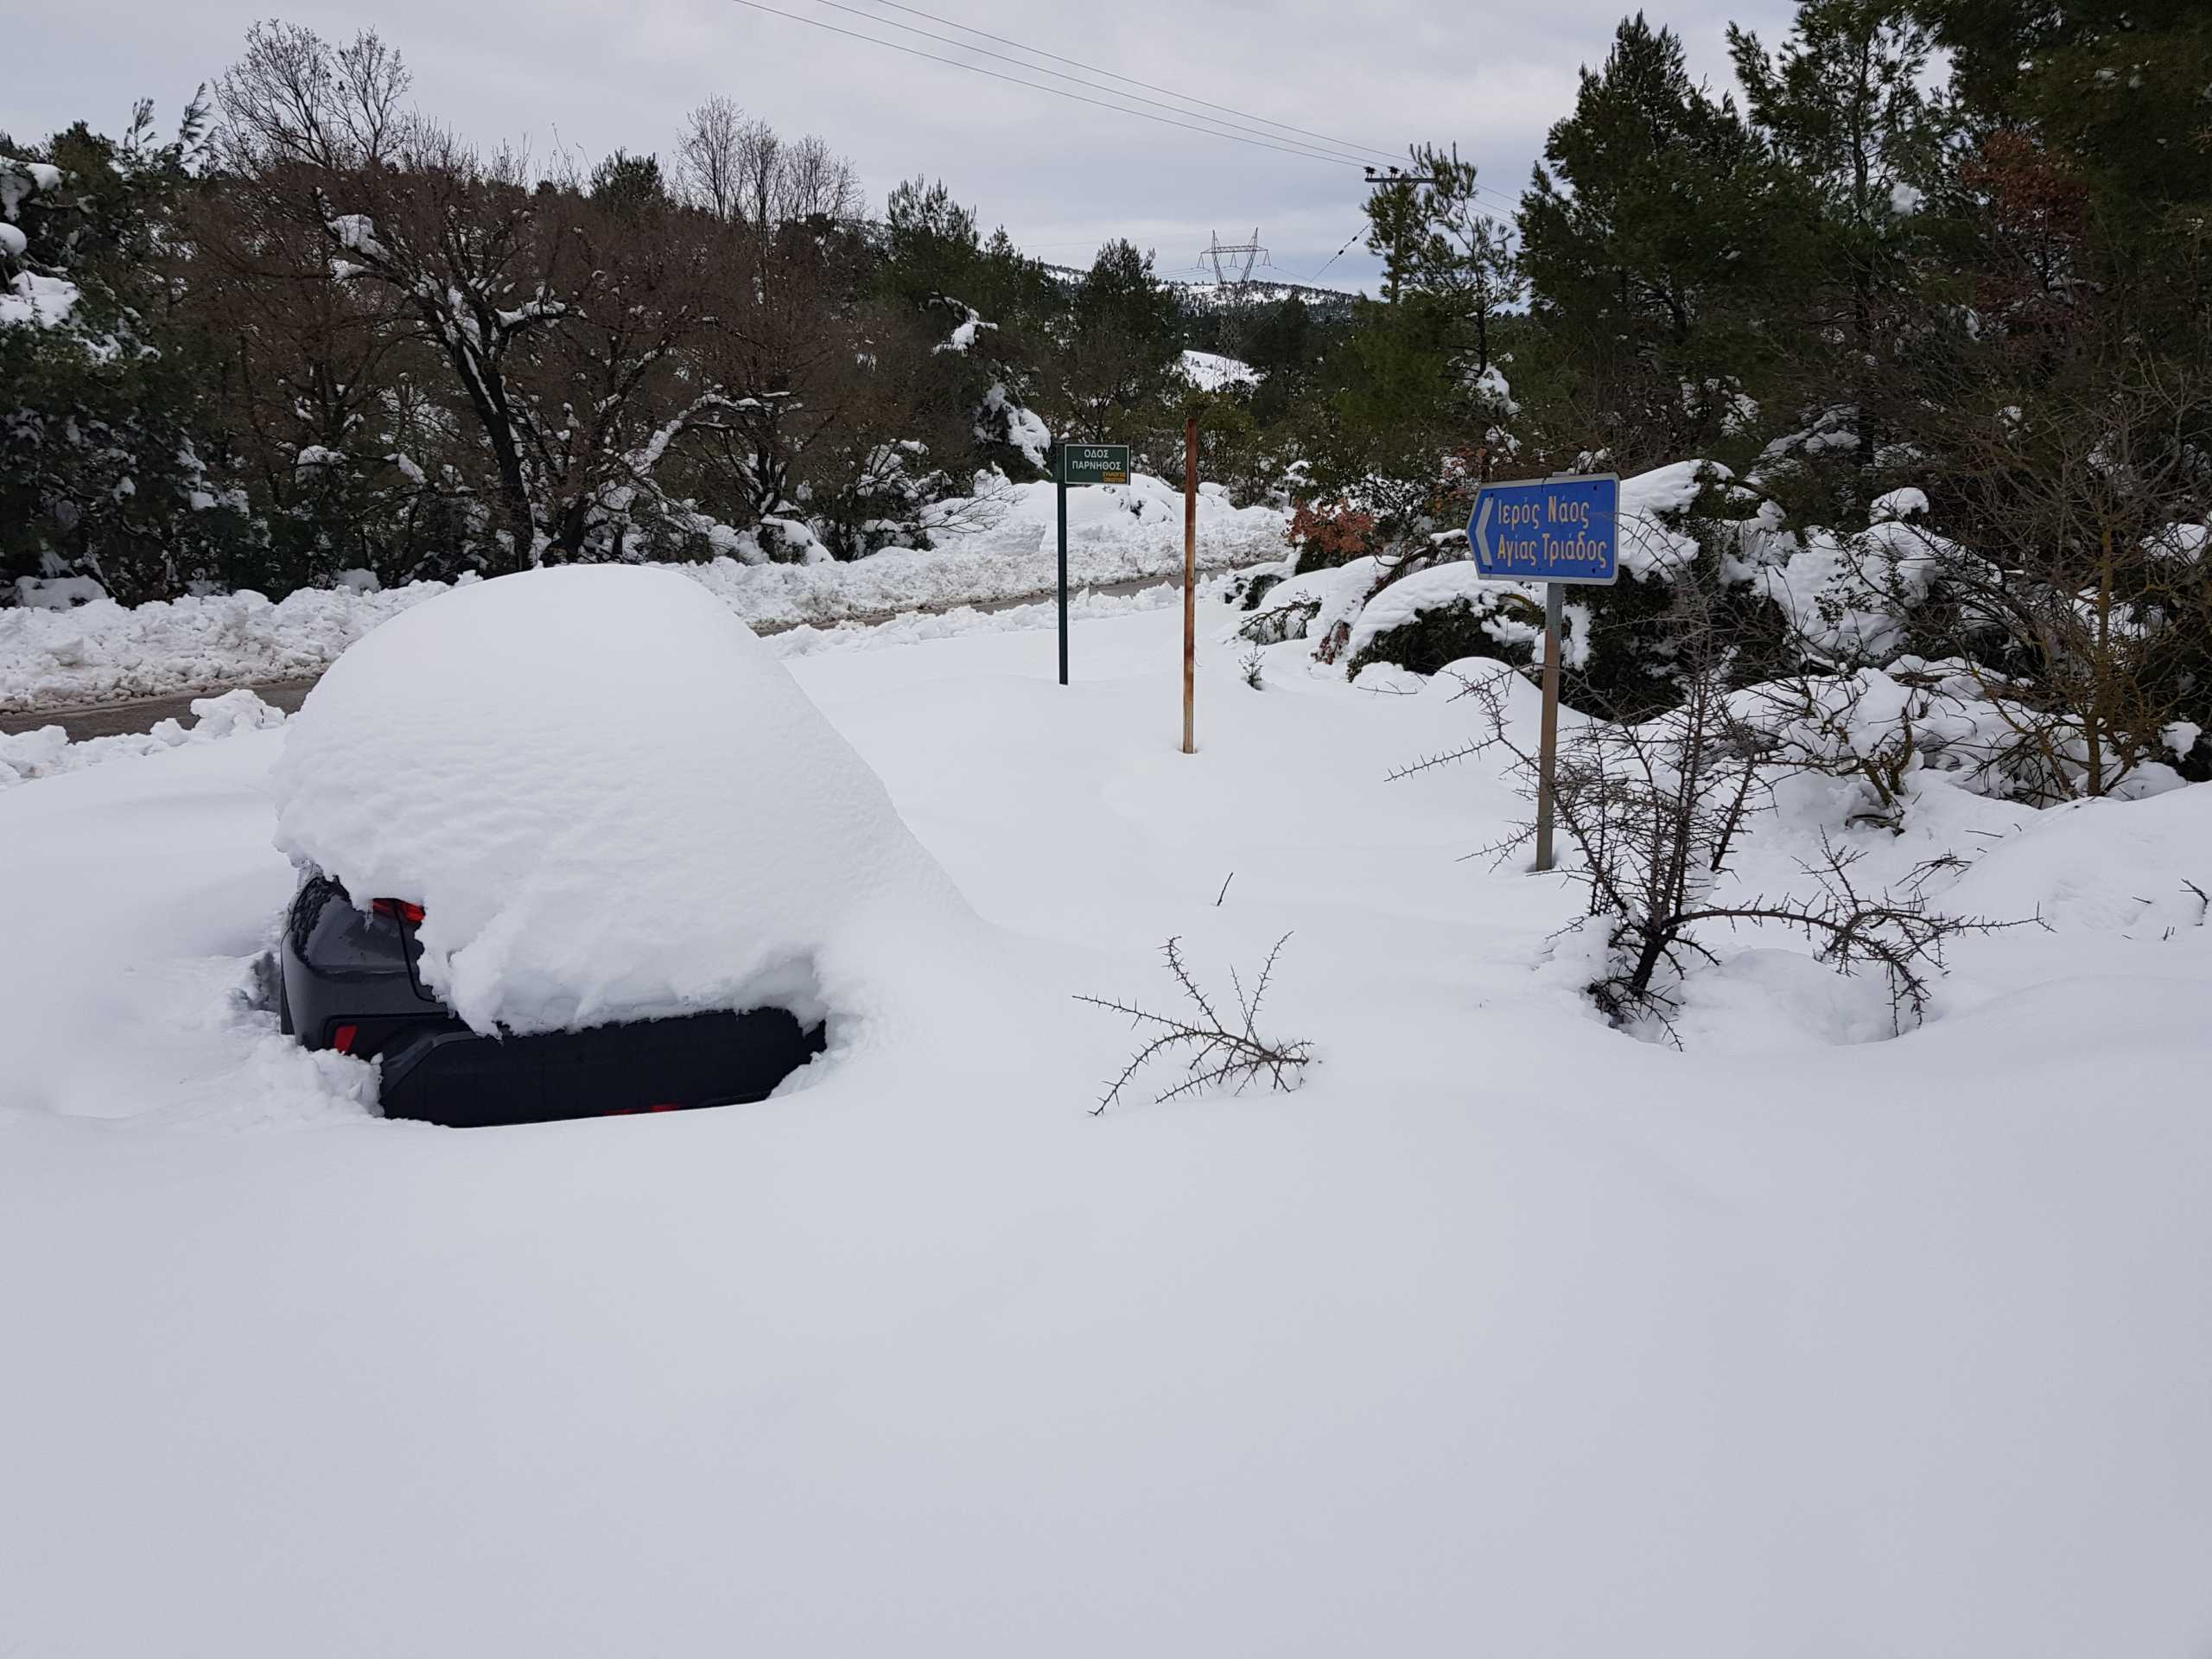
1893,930
1219,1052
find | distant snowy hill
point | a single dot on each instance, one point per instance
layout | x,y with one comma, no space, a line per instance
1208,296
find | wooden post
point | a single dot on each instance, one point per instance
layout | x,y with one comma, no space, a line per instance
1547,737
1190,584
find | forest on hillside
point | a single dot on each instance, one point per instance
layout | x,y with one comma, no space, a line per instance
1929,263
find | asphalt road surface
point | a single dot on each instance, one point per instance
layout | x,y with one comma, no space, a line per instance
141,715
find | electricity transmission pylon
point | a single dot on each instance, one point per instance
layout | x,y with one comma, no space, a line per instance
1232,264
1222,256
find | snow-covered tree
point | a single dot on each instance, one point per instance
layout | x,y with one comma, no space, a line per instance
104,428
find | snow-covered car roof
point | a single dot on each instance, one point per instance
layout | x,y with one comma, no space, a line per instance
612,802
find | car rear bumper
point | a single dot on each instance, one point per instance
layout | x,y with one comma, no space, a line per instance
464,1080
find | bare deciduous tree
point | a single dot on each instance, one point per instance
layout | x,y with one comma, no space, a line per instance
711,157
293,98
740,170
816,182
560,319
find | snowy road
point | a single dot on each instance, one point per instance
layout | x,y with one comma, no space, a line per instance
143,714
101,652
1507,1334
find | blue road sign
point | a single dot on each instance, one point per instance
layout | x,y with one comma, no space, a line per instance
1548,529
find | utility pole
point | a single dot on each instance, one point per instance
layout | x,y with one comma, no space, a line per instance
1394,177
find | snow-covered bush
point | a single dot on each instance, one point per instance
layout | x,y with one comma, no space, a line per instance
1450,612
1246,589
1881,728
1430,605
1316,604
1286,613
1325,534
1653,812
2071,693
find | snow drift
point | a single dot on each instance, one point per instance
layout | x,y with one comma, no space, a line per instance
612,802
47,751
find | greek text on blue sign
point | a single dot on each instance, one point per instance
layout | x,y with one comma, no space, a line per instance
1548,529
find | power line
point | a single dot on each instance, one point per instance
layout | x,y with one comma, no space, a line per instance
1497,196
1039,69
966,29
1057,92
1338,254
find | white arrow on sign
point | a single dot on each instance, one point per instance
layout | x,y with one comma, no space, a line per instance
1483,554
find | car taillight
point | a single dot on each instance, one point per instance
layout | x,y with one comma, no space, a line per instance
342,1038
399,908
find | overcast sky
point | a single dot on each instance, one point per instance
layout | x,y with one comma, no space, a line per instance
1059,175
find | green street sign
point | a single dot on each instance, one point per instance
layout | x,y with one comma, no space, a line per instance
1081,463
1094,463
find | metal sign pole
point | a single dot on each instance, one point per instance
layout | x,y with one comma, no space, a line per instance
1557,531
1547,741
1060,476
1082,464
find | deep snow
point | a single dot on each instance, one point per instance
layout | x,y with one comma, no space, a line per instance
1507,1334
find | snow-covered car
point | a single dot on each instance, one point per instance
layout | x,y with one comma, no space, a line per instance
573,842
347,978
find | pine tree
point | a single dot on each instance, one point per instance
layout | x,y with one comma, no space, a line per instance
1436,238
1124,339
931,250
1412,406
1845,107
629,185
1652,234
2110,95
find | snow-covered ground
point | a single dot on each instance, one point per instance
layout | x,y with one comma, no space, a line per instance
59,652
1211,372
1506,1333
